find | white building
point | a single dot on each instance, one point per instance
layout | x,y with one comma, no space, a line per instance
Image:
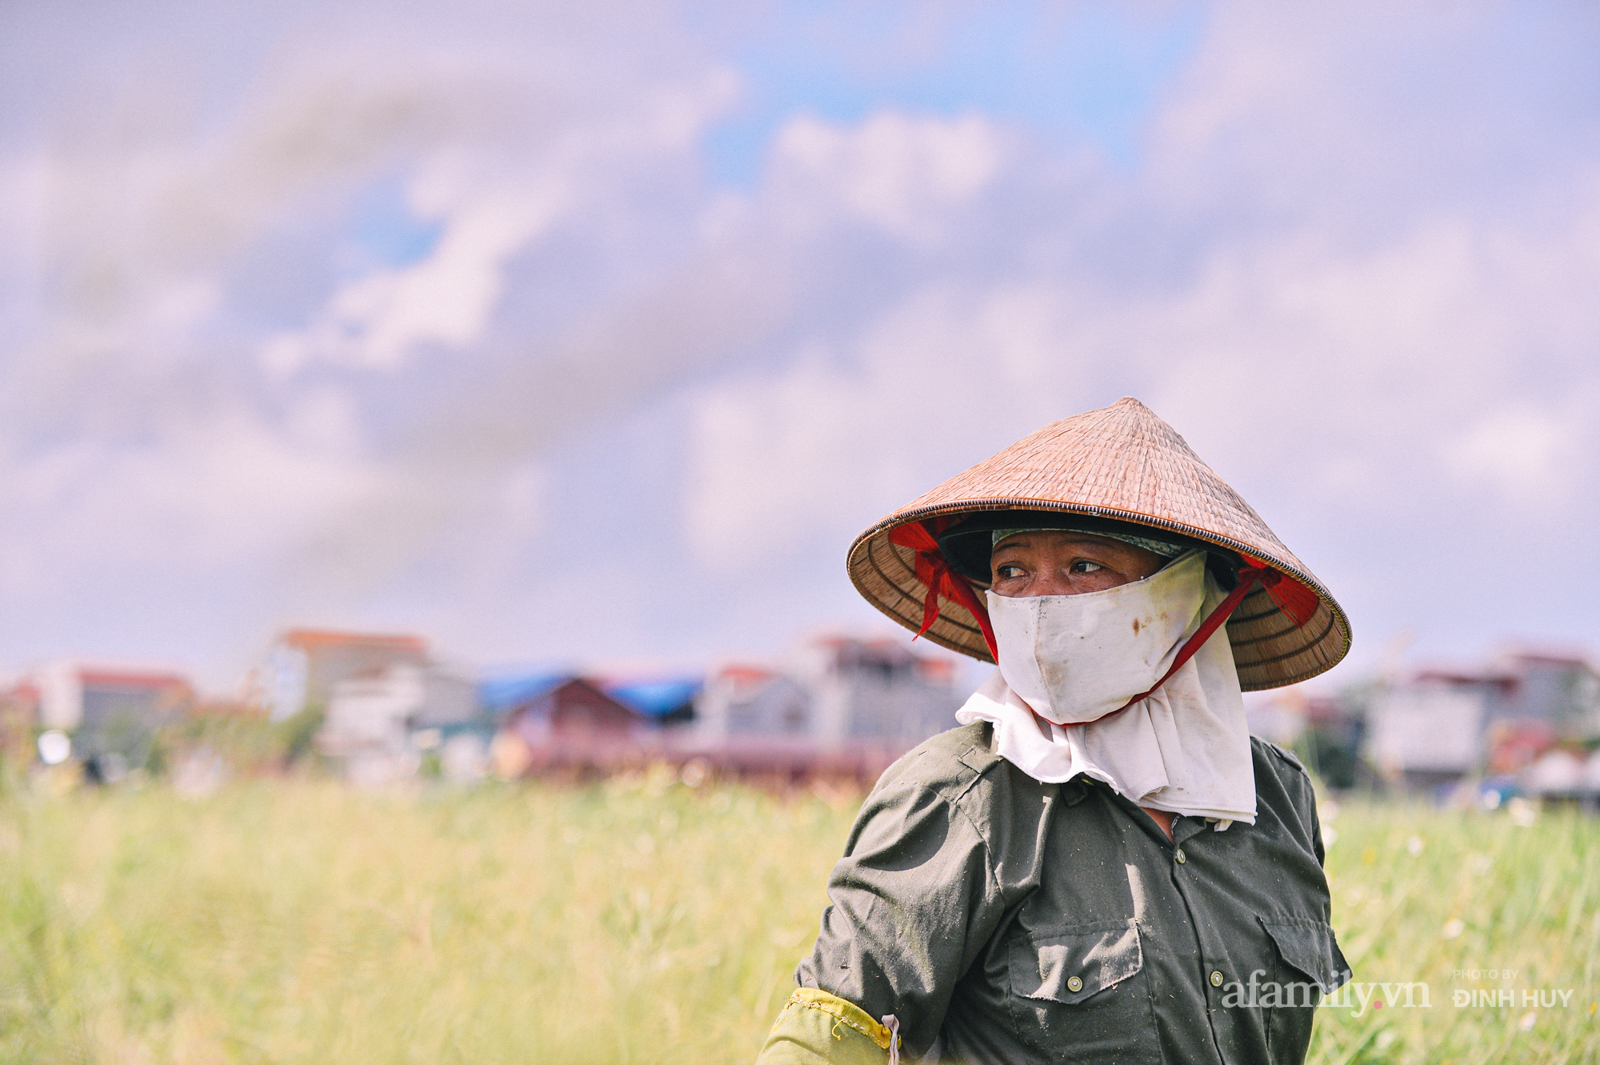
832,693
1439,724
76,695
1434,724
379,724
303,666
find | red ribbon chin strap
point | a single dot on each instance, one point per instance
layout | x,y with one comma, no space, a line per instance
934,571
1293,598
1298,602
1248,575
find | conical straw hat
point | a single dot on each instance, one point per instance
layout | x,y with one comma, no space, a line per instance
1122,463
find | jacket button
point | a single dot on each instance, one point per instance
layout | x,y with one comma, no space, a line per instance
1074,984
1216,978
1182,857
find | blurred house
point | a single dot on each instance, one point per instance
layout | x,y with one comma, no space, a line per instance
380,725
1440,725
112,713
752,701
1335,733
1325,730
304,665
1559,691
840,706
876,690
837,706
661,702
1546,735
562,721
1429,729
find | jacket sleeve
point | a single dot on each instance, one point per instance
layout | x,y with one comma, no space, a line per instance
815,1027
912,901
1297,784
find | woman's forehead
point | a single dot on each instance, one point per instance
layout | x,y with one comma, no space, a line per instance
1035,538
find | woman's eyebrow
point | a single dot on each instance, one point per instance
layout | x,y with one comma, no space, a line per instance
1023,540
1088,540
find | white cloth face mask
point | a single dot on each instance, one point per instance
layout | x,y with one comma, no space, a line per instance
1068,661
1077,658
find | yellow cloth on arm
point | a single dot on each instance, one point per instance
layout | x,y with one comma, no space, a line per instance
814,1026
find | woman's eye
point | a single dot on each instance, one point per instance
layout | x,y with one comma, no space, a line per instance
1007,572
1085,566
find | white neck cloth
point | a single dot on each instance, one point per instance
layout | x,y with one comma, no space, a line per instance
1066,661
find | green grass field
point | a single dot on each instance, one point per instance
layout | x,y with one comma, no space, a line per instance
636,920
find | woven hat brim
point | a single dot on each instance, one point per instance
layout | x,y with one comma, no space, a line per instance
1123,463
1269,649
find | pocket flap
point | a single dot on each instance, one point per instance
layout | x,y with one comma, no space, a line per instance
1307,944
1071,966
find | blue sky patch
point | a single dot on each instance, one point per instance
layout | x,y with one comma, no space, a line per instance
1090,74
384,233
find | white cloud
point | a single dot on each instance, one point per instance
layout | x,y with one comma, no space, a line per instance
492,208
1354,293
896,171
199,497
1311,370
447,298
766,456
840,438
1525,454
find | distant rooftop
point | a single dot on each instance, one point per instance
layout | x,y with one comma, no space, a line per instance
131,678
308,639
502,693
656,698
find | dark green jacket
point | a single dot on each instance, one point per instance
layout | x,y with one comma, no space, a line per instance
1001,919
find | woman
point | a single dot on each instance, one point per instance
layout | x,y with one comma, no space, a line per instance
1101,864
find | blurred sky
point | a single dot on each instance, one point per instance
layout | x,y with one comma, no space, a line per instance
598,331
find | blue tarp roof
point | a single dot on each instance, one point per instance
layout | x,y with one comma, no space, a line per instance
647,699
655,698
501,693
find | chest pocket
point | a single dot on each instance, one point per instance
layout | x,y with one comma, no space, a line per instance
1309,965
1082,989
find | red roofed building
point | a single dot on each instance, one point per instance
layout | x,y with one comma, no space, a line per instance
304,664
840,705
111,711
1440,724
76,696
567,723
